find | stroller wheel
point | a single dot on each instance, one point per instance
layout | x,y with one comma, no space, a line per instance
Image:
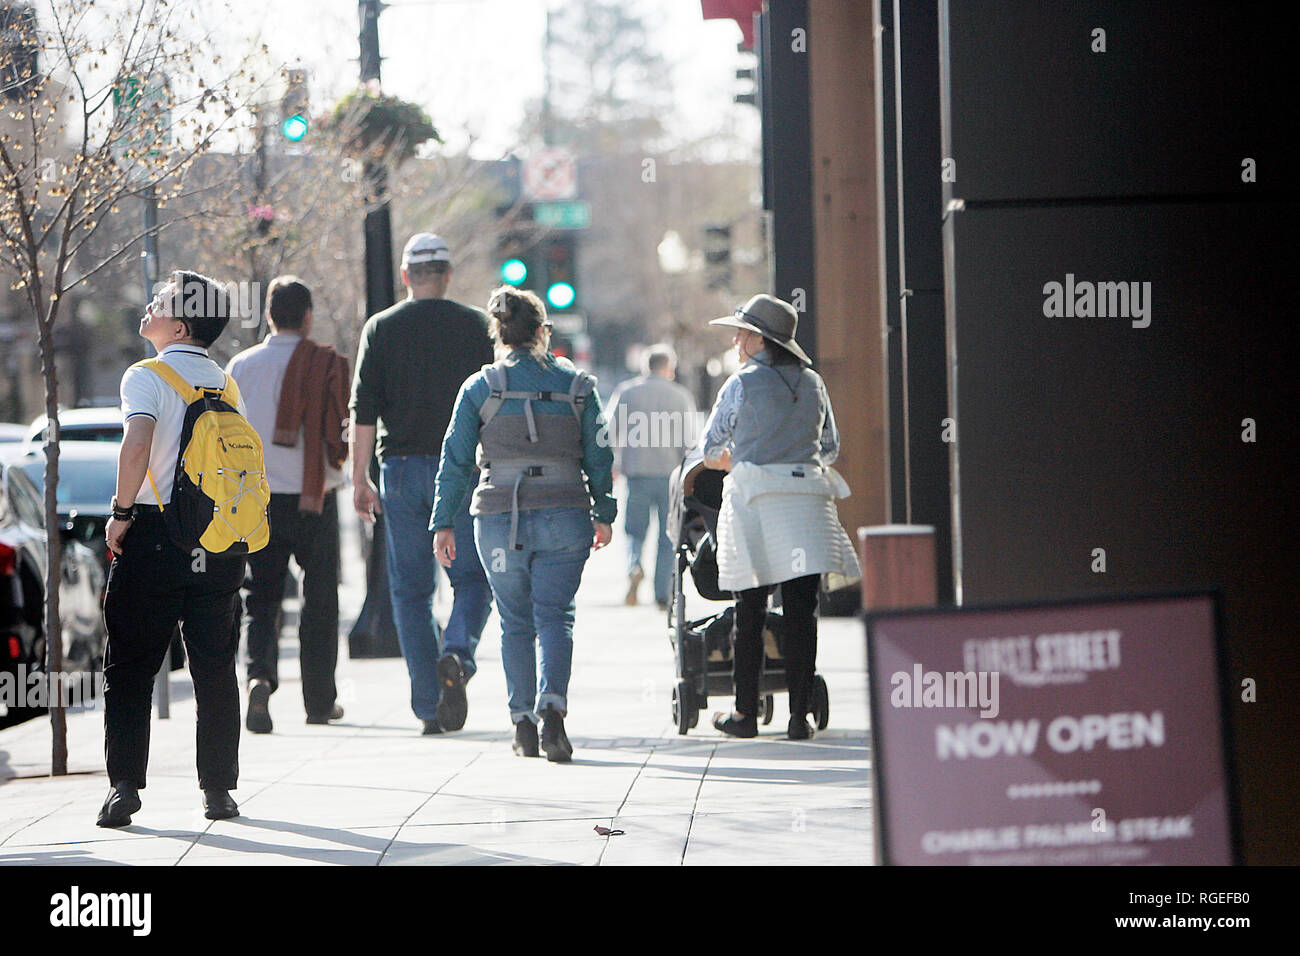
821,702
769,708
685,713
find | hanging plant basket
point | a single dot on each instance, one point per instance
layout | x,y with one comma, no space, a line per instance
379,128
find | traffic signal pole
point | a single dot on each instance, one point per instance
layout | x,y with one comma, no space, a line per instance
378,226
374,634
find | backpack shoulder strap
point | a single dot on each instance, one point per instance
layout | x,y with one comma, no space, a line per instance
187,392
230,394
496,379
583,384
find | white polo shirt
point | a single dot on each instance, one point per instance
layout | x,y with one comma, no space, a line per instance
259,372
145,393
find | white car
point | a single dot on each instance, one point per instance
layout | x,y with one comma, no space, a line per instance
81,424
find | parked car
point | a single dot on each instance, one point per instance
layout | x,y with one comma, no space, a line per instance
22,587
103,423
87,482
12,431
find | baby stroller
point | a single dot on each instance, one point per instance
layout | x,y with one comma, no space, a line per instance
703,646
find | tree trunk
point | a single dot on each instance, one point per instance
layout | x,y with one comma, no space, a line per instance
53,554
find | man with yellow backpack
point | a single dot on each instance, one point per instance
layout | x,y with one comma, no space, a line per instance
191,502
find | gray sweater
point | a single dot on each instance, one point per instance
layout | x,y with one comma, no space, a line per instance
652,421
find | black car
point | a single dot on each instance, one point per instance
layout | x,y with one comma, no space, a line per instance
22,589
87,482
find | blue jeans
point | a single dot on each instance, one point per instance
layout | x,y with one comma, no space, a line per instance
535,586
642,493
406,484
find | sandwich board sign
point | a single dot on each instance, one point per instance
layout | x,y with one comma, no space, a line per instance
1080,733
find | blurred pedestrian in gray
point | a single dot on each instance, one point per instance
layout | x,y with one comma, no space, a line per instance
297,396
652,421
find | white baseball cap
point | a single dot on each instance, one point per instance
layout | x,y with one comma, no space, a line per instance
425,247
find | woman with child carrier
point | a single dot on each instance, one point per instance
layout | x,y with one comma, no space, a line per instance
773,431
544,501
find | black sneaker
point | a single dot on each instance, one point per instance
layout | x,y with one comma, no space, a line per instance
733,727
335,713
525,744
453,707
799,728
258,719
123,800
554,740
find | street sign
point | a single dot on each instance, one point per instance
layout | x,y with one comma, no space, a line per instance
551,173
562,215
147,125
568,323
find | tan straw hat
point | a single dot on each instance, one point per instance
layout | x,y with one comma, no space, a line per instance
771,318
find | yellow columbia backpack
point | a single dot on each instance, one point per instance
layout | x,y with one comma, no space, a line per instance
220,494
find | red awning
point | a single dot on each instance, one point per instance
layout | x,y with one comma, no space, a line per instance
742,11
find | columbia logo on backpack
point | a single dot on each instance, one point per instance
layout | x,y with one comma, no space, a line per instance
220,494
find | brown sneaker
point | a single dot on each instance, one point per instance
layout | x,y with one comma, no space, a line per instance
634,579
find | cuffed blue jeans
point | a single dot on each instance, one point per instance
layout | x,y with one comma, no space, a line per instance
643,493
534,585
406,484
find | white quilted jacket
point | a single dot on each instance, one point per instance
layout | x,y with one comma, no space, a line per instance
779,522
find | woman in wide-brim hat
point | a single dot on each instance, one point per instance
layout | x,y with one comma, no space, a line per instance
772,428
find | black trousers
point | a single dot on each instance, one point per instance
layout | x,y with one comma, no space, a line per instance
313,541
153,584
799,611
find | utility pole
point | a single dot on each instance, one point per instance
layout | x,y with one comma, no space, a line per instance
379,226
546,89
375,634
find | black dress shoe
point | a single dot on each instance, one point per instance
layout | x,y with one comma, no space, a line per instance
431,727
453,707
799,729
525,744
258,718
122,801
554,740
335,714
219,805
729,725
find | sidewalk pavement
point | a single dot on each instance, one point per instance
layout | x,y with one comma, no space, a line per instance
370,790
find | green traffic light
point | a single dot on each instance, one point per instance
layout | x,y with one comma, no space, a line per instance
294,128
561,295
514,271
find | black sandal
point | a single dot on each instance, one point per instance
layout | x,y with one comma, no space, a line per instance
729,725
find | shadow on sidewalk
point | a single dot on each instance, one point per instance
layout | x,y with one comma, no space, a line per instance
374,850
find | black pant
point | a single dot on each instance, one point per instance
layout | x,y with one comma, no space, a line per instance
152,585
313,541
799,644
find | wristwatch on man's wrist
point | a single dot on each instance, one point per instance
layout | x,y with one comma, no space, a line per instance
122,514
